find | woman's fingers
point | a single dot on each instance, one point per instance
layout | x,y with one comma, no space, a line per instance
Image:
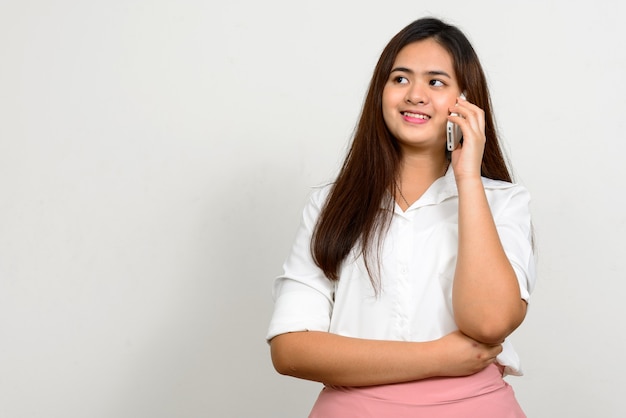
469,115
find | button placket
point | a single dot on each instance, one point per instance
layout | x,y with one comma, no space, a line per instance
403,249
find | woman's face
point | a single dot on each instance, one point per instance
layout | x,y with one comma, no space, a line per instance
422,86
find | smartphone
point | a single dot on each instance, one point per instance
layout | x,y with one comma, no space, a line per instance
454,135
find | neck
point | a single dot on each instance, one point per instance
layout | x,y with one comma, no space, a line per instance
416,175
422,168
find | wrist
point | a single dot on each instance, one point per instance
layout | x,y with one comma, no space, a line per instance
468,180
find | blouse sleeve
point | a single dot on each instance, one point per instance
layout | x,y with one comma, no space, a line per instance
513,222
303,296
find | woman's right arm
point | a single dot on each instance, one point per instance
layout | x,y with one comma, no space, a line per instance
343,361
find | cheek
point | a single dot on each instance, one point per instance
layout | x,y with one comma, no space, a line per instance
386,98
388,104
387,118
444,103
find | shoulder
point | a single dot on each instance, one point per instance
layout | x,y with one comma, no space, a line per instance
319,194
503,195
316,201
503,188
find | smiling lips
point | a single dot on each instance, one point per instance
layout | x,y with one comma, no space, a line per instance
415,117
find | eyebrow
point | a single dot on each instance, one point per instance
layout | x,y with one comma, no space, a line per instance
432,72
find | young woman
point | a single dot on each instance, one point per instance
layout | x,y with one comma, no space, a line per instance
411,269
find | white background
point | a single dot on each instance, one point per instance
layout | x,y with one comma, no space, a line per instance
155,157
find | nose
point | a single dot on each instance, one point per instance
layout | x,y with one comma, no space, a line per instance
416,95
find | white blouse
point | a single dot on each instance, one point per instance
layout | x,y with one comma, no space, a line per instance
418,259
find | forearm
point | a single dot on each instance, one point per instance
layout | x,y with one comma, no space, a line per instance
344,361
486,296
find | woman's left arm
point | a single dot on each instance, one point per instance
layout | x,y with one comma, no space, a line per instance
488,305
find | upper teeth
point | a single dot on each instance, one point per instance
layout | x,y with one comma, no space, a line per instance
416,115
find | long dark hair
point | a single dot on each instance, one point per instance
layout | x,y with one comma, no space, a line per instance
359,207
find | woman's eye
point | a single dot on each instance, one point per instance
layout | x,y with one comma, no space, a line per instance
401,80
436,83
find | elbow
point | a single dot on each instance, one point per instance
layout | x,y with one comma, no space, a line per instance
283,367
282,360
493,328
487,333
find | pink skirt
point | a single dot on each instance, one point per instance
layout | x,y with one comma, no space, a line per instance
482,395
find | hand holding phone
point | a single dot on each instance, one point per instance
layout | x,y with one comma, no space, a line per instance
454,135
